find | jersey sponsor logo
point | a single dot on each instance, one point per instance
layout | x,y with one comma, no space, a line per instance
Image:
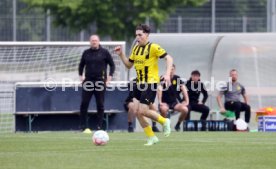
139,62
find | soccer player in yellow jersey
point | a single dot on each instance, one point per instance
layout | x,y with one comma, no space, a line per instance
144,57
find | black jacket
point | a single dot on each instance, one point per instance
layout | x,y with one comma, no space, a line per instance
95,62
194,90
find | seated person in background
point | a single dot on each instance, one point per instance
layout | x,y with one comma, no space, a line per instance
167,97
131,109
195,87
232,93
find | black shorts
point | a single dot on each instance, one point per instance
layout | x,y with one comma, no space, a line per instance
172,104
145,93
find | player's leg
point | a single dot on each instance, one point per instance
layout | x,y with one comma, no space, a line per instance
234,106
132,109
183,110
147,98
160,119
85,99
164,108
201,108
189,112
204,110
99,95
246,108
127,105
154,127
152,139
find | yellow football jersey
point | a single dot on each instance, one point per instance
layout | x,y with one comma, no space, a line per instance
145,59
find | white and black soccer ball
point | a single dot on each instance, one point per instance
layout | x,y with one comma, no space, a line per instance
100,138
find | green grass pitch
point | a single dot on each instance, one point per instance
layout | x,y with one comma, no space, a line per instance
184,150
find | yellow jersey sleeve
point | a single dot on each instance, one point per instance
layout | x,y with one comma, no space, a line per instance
158,51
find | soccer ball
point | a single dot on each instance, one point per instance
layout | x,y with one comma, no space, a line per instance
241,125
100,138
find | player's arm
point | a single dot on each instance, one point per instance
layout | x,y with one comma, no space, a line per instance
245,98
219,100
111,66
169,62
205,93
159,94
81,67
185,95
126,61
244,95
161,53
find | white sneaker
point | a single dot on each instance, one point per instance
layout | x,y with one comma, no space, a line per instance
152,140
167,127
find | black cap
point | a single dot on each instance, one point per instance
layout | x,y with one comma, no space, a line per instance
195,72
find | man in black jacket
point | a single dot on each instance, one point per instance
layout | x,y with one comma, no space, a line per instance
195,87
95,61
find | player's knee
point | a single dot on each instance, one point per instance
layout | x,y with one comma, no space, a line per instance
186,110
206,110
164,108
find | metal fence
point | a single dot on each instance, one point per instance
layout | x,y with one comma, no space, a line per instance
223,24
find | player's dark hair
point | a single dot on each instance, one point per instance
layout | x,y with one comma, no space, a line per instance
145,28
195,72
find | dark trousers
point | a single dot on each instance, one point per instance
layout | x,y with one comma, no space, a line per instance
86,97
201,108
237,107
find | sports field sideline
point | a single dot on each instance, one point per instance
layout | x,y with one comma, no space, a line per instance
189,150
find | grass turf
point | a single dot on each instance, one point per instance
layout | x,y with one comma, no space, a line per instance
191,150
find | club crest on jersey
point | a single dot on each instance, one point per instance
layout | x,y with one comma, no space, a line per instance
146,53
174,82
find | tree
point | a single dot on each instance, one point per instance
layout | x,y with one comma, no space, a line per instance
116,18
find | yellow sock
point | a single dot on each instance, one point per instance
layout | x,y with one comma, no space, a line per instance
161,119
148,131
